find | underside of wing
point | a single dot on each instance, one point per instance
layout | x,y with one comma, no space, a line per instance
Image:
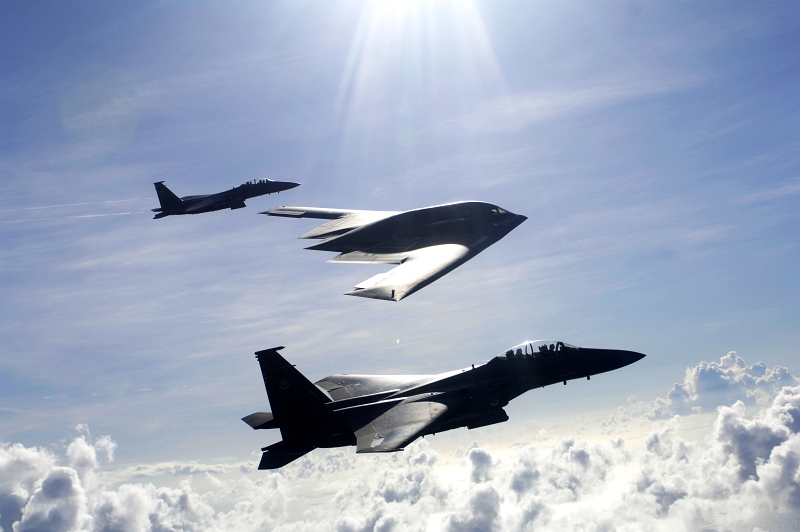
398,427
341,220
416,269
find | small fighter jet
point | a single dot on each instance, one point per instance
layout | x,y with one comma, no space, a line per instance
230,199
384,413
427,243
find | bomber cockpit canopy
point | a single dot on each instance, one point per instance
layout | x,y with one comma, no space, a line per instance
537,348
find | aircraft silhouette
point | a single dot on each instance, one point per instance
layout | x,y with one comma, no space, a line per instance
230,199
384,413
426,243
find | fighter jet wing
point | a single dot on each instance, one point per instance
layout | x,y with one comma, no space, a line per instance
398,427
341,220
416,269
341,387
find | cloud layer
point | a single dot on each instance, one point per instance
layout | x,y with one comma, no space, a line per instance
745,471
713,383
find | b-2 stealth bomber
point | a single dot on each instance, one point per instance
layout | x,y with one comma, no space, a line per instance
427,243
230,199
384,413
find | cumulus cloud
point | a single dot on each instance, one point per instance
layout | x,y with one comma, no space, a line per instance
20,470
746,469
57,504
713,383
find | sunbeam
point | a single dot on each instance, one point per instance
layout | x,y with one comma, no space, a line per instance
410,64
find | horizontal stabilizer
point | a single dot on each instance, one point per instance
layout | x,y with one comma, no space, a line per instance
261,420
281,453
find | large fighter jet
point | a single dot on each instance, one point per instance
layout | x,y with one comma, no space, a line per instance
230,199
384,413
427,243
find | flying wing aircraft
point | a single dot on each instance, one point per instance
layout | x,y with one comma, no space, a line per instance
426,243
230,199
384,413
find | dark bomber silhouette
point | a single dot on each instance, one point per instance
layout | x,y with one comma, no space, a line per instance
427,243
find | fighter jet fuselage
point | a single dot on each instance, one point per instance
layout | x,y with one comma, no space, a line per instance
230,199
383,413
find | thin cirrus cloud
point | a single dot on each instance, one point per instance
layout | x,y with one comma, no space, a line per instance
514,112
789,189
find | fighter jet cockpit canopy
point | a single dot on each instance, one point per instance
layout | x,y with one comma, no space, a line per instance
537,348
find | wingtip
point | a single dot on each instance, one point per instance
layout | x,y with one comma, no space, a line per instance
380,293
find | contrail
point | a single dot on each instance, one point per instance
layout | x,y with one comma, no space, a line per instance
69,217
73,205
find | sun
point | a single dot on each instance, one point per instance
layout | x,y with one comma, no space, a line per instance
413,61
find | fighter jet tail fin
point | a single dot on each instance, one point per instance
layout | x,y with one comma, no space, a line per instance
290,392
169,201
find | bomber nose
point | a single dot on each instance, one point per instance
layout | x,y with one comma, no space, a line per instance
514,220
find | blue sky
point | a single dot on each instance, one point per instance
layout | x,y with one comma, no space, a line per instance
652,145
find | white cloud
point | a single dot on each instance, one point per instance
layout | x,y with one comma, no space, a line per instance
58,503
713,383
20,469
747,470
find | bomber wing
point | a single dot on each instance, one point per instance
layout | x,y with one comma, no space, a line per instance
425,243
341,220
417,269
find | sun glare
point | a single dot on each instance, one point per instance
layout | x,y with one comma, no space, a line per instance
412,60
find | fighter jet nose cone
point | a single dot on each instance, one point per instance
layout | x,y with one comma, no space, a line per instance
286,185
625,358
